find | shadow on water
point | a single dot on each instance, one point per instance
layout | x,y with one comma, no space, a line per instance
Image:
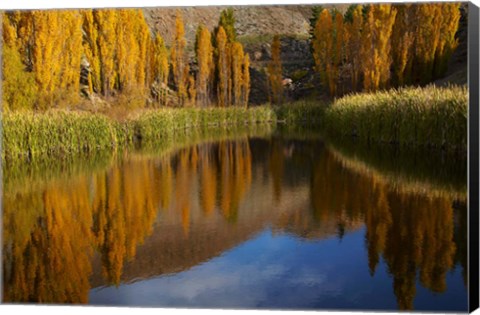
125,218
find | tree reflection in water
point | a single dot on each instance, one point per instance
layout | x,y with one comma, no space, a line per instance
146,216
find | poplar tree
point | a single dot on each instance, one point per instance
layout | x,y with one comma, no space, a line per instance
178,59
402,51
237,72
143,36
91,50
275,72
246,80
19,90
338,40
450,15
106,21
47,52
353,43
192,91
426,19
160,67
328,48
204,53
376,45
227,21
322,45
71,39
222,67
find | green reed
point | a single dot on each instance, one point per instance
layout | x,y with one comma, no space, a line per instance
306,112
430,116
29,135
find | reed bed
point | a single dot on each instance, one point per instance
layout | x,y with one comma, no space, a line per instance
399,181
430,116
424,168
153,125
29,135
301,112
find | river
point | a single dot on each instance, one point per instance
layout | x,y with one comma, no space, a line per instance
278,221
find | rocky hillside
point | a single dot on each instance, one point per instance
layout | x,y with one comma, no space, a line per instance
256,26
251,21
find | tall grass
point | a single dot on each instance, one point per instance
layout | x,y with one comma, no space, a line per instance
431,116
164,123
307,112
28,135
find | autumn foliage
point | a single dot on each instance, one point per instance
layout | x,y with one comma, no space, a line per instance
275,73
52,58
384,45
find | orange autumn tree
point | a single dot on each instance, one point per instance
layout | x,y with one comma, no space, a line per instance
376,45
204,54
424,37
353,42
275,73
161,68
231,74
403,37
237,72
450,14
222,67
179,60
321,44
18,83
106,21
246,80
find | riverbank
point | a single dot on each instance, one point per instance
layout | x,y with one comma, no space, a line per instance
413,117
427,117
58,133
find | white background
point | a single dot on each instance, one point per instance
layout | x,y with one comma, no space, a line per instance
76,310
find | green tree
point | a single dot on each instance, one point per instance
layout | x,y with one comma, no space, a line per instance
227,21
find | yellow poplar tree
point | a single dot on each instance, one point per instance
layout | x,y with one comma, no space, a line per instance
204,52
323,45
403,37
18,85
427,19
275,72
72,52
106,20
353,42
143,37
246,80
237,72
161,67
450,17
178,58
376,45
192,91
222,67
127,50
338,37
91,50
47,51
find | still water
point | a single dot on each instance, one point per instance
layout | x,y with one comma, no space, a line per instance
247,222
